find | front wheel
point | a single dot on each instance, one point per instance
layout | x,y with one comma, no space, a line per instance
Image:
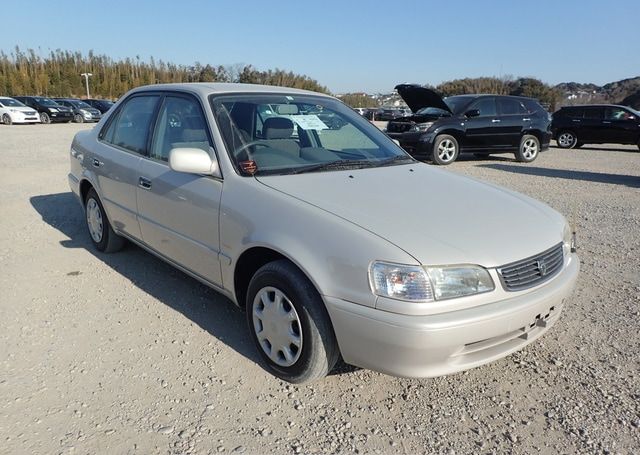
78,118
445,150
44,117
6,119
567,140
529,149
289,324
102,234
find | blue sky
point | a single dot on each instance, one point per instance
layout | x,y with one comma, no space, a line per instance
349,45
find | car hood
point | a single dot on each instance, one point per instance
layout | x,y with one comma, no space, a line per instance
418,97
21,108
436,216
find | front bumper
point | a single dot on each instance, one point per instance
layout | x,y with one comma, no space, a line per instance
19,117
60,117
435,345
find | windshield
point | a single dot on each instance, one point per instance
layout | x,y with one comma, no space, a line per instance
286,134
10,102
46,101
80,104
635,112
433,111
457,103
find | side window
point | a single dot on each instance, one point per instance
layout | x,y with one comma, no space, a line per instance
593,113
509,106
180,123
486,106
616,113
131,127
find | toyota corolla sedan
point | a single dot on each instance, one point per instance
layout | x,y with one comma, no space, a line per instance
323,235
13,111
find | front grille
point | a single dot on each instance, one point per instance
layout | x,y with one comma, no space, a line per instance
532,271
399,127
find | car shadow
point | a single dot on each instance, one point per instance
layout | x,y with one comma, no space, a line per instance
609,149
614,179
202,305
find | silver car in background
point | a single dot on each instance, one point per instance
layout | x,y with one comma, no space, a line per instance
332,239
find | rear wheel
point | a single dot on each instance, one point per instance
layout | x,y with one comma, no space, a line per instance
6,119
445,150
529,149
289,323
44,117
102,234
567,140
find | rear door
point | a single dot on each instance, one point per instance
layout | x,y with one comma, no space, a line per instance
116,160
592,128
179,212
620,126
513,116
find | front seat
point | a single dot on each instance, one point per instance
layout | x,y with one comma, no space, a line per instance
277,132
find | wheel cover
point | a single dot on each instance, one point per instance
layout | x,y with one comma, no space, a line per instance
44,117
6,119
94,220
529,149
446,150
566,139
277,326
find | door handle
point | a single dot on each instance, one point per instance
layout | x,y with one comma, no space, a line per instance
144,183
495,120
526,119
97,162
608,123
576,120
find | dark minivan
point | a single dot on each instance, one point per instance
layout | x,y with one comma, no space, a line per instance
440,129
102,105
573,126
49,110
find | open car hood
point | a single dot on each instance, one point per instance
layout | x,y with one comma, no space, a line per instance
418,97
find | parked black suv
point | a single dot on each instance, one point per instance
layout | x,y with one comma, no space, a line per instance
102,105
441,129
49,110
573,126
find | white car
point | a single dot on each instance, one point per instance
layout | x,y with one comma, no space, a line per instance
332,239
13,111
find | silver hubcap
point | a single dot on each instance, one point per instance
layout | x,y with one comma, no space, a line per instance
446,150
566,139
529,149
277,326
94,220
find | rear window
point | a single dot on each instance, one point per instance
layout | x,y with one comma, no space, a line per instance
532,106
571,112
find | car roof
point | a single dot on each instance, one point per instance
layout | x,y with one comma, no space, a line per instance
580,106
210,88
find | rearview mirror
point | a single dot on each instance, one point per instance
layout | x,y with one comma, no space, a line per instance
192,161
472,113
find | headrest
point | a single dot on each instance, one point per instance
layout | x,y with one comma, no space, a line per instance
277,128
194,135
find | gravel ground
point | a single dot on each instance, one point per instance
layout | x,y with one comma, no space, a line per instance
123,354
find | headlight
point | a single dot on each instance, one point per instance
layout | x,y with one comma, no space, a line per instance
402,282
418,284
85,112
14,110
53,109
459,281
569,239
421,127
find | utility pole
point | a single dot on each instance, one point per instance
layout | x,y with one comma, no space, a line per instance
86,81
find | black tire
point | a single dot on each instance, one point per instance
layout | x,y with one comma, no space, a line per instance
529,149
44,118
445,150
566,139
319,351
78,118
108,241
6,119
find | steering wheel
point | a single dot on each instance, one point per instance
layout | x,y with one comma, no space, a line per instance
243,147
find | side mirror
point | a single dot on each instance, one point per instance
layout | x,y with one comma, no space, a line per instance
472,113
397,142
192,161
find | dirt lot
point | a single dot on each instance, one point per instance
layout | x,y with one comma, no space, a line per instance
123,354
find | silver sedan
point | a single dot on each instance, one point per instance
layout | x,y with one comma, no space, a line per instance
333,240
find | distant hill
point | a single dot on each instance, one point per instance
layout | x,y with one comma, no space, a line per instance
613,92
632,100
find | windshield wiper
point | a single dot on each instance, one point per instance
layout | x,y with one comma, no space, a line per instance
337,164
395,159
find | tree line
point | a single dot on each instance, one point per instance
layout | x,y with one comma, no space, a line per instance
58,74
